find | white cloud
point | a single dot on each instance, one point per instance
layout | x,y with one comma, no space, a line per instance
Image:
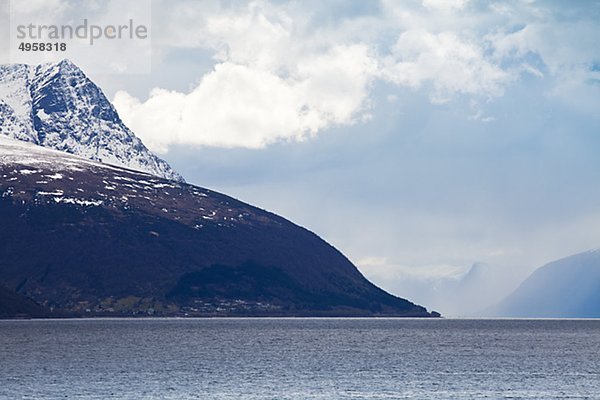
277,78
283,74
445,5
478,114
33,7
238,105
273,80
564,48
452,65
252,38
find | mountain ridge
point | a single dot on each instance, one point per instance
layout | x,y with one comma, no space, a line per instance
96,225
91,239
565,288
58,106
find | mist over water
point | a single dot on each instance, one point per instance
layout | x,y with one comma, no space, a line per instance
470,293
299,359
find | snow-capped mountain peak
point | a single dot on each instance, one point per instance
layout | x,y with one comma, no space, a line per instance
56,105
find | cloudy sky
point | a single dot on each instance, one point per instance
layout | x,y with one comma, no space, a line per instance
418,137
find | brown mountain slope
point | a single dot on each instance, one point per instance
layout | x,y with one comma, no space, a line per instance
95,239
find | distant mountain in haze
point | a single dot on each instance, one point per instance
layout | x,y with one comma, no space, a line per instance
566,288
57,106
482,286
467,294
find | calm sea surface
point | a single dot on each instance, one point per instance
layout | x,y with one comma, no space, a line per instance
299,359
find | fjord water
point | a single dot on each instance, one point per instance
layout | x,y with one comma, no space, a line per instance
299,359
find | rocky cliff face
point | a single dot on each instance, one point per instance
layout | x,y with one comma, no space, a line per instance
57,106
